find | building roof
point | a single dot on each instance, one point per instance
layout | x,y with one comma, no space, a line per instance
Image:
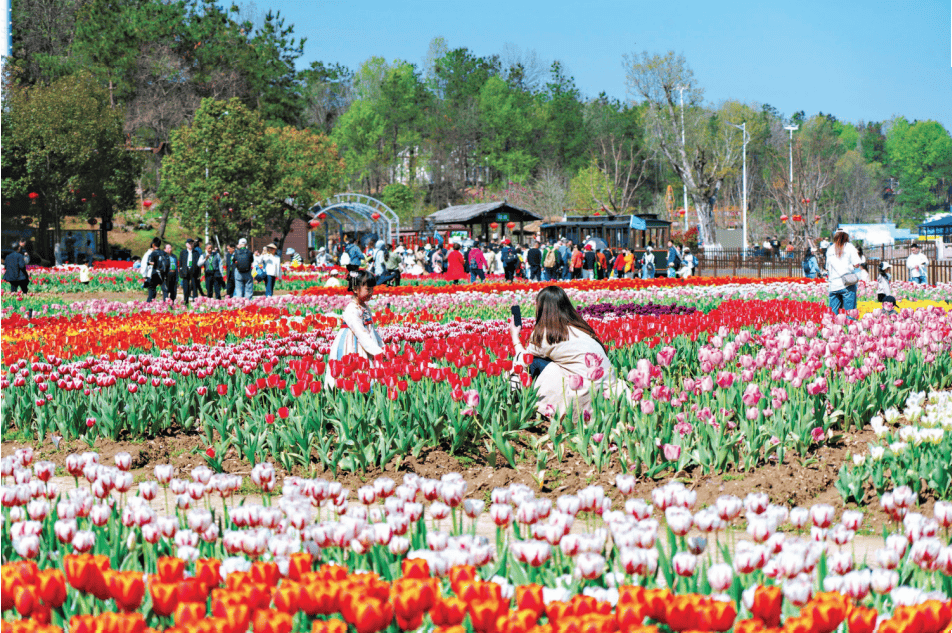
939,223
465,213
613,222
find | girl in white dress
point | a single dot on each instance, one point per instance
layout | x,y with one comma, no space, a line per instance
358,334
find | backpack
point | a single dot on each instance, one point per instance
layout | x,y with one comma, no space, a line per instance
243,260
550,258
157,262
807,268
508,256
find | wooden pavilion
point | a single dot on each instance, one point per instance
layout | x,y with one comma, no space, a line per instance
479,218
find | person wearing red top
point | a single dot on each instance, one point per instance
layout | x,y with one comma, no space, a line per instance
578,259
454,265
620,264
477,264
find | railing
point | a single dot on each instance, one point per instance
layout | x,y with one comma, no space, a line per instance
761,267
940,272
871,252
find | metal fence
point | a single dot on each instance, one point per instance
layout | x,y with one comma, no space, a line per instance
763,267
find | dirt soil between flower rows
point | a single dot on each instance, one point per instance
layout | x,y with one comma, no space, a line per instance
791,483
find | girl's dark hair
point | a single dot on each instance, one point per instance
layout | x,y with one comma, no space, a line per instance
807,254
360,279
554,314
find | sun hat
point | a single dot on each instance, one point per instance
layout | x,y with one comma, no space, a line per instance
271,245
241,242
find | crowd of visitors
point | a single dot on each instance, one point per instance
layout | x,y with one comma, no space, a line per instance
208,272
472,260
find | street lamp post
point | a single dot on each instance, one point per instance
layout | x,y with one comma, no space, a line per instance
791,129
743,128
681,89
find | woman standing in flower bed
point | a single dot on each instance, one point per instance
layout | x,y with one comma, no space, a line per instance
454,265
842,260
568,355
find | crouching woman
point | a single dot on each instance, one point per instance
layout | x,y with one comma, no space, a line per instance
569,361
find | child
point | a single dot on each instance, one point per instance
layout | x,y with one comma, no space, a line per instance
889,305
358,334
883,287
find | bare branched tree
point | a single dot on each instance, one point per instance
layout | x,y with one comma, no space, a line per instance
708,150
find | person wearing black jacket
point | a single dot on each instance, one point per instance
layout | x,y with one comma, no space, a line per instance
214,281
155,270
230,270
188,268
588,262
171,275
15,273
534,261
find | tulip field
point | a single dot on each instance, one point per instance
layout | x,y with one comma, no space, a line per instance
304,512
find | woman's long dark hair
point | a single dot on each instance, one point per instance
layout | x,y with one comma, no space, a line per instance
554,315
839,241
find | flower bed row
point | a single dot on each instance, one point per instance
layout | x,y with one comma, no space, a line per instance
402,557
916,453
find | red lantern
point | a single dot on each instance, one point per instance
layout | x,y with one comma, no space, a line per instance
321,216
798,218
147,203
784,218
34,195
597,213
816,219
510,225
375,216
225,193
315,223
494,225
682,212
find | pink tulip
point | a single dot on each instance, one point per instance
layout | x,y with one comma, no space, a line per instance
671,452
666,356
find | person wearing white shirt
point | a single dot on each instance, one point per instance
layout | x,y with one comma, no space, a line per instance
842,259
918,265
272,268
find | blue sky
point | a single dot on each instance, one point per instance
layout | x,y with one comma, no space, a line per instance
856,60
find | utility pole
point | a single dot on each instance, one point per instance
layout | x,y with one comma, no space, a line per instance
743,128
681,89
791,129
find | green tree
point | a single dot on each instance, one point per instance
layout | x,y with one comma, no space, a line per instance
920,154
64,143
328,92
305,169
359,134
218,171
506,125
400,198
591,190
873,143
248,179
618,146
565,138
